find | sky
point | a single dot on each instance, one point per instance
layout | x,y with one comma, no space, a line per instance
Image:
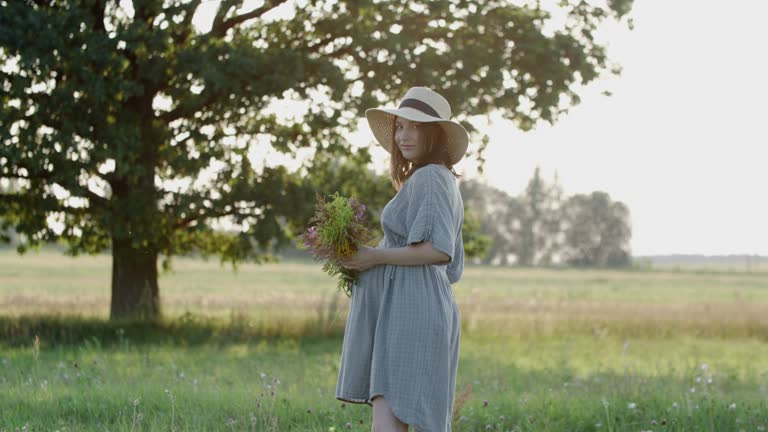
681,141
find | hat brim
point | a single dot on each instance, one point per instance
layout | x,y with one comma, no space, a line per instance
381,122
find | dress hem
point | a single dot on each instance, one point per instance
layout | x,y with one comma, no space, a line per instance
401,418
353,400
368,401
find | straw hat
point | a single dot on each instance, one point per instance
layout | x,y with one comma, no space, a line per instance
422,105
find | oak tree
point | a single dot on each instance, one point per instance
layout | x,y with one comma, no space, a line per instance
133,130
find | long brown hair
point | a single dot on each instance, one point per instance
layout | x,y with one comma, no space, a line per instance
433,135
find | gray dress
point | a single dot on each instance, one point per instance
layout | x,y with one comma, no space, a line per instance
402,333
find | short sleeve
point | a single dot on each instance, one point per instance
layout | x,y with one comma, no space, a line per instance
456,268
430,211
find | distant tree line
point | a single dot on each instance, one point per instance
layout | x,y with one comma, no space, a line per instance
542,227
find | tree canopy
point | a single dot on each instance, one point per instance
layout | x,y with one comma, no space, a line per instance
132,130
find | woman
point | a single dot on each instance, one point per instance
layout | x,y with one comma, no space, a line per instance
401,343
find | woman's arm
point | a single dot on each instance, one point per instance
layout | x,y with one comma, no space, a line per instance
418,254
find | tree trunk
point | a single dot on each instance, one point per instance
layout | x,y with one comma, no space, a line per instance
135,292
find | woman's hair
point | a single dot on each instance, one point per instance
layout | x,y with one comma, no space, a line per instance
435,139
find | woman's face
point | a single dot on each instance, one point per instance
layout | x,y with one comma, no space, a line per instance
409,137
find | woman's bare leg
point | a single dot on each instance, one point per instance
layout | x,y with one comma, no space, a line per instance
384,419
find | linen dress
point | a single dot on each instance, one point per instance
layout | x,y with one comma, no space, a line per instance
401,339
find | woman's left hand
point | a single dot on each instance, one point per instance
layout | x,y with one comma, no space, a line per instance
362,260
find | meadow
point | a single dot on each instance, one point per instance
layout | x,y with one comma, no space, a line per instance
258,349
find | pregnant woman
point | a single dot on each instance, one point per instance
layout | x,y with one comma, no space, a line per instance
401,344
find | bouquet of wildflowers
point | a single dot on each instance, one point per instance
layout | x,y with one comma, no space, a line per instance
338,228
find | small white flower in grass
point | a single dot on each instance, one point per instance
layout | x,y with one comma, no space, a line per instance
263,375
698,379
501,418
709,380
348,425
761,428
631,405
704,367
598,425
732,406
675,405
488,427
693,390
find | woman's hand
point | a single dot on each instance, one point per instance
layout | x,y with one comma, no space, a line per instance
365,258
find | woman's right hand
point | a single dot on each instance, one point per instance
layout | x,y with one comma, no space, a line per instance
365,258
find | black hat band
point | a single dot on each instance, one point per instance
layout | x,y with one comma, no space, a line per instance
420,106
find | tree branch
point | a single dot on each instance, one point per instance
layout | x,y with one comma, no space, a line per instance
92,197
19,198
220,25
212,214
185,110
97,10
221,13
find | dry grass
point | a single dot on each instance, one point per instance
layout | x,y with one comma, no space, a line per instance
509,301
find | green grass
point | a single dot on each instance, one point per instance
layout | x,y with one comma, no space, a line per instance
550,350
551,384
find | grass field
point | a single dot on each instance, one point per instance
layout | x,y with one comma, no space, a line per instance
258,349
